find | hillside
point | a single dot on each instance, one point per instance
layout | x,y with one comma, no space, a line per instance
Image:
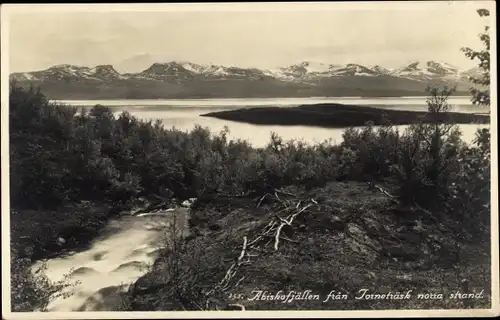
333,244
335,115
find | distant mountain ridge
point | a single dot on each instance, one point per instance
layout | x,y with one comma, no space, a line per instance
180,79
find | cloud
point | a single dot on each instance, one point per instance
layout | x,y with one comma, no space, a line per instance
246,38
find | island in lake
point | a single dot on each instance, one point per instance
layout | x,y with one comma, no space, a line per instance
335,115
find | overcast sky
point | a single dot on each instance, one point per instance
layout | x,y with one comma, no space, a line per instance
265,37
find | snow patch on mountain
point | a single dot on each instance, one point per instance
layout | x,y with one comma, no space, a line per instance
71,73
380,70
425,71
353,69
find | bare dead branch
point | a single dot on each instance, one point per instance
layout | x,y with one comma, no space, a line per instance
243,249
385,192
277,236
268,227
254,240
298,204
273,229
288,239
280,218
276,195
262,199
288,223
285,193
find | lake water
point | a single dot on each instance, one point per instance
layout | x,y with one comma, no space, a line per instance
185,114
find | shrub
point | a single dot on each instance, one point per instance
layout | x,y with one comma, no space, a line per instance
33,291
369,151
431,165
470,189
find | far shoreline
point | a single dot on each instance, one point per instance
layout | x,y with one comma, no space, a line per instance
335,115
251,98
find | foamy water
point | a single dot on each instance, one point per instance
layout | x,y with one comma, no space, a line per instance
128,247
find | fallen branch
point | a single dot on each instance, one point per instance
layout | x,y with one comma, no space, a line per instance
301,210
243,249
277,236
393,198
268,227
280,218
254,240
288,223
272,229
284,192
276,195
298,204
262,199
288,239
224,283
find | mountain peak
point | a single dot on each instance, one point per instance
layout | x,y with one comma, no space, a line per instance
413,65
105,67
426,70
379,69
105,71
162,66
441,68
66,66
167,71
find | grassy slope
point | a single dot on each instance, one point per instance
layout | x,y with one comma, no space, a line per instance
354,238
333,115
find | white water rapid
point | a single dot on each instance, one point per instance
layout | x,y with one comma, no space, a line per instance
127,247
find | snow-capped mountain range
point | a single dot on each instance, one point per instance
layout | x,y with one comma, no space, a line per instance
196,79
185,71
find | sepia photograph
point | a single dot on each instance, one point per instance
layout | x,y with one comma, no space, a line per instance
249,160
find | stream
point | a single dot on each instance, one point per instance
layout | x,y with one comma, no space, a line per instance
126,249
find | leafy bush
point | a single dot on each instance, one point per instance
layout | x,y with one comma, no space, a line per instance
32,291
470,189
369,152
430,163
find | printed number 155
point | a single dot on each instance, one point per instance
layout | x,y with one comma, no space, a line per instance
235,296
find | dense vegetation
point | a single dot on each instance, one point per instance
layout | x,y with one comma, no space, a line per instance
332,115
69,167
